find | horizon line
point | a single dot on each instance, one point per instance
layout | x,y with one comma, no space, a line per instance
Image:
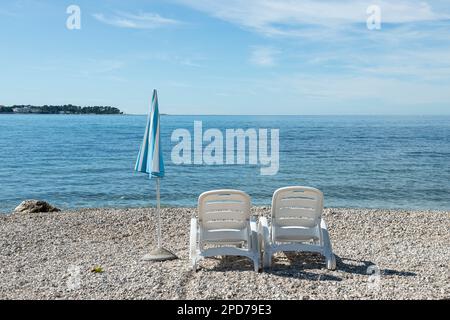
290,115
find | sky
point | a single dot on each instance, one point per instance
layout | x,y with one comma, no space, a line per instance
300,57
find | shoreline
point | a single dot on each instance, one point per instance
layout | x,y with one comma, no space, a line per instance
42,254
61,114
257,206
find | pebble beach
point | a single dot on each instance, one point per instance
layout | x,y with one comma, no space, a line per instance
97,254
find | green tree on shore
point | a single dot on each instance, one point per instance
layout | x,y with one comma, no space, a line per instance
66,109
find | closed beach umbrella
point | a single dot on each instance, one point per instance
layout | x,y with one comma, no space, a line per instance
150,161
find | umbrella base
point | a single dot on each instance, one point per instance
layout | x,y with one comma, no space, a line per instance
159,254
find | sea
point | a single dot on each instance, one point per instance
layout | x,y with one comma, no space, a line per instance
87,161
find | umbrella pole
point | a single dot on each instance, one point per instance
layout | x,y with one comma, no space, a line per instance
159,253
158,211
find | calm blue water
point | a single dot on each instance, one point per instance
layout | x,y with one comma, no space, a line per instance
87,161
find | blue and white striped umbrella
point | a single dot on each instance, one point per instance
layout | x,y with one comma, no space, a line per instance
150,158
150,161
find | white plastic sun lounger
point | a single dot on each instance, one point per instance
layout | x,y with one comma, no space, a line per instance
297,225
224,227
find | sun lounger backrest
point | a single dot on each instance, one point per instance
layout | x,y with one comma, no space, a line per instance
224,209
297,207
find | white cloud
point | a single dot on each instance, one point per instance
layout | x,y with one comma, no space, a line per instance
263,56
346,94
291,17
106,66
429,65
186,60
135,21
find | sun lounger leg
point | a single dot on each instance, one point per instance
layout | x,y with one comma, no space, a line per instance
328,250
193,247
255,245
264,235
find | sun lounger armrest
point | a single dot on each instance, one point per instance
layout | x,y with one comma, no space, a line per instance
263,223
194,238
194,228
253,230
326,237
263,231
253,234
253,224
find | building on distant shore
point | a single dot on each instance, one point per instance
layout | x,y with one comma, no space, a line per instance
22,110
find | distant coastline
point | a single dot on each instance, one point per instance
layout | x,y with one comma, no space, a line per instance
64,109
